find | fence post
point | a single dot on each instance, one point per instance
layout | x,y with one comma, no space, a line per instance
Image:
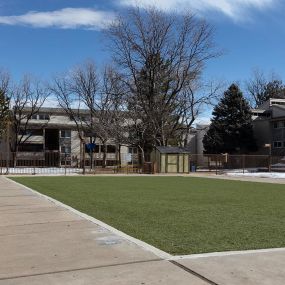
7,162
84,158
269,163
34,163
65,163
209,166
216,164
243,163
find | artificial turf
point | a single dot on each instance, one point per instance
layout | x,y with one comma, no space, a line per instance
179,215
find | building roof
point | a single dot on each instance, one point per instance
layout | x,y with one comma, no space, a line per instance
61,111
173,149
51,110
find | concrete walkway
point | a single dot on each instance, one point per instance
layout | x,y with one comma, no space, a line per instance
42,243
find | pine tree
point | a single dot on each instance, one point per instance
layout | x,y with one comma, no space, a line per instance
154,101
231,130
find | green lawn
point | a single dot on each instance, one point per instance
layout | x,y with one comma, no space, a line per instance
177,214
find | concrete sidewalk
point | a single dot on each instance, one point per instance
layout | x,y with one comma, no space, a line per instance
42,243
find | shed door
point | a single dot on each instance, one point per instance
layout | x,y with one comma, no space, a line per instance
172,163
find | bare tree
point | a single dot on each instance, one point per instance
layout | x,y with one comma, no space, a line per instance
256,87
158,55
90,101
192,103
27,97
114,89
5,79
261,87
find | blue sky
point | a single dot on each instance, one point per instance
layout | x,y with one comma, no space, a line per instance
50,36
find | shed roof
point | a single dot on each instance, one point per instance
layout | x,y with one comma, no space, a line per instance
172,149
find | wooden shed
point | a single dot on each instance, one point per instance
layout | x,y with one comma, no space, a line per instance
171,159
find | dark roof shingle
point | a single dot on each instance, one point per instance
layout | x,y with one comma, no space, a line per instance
172,149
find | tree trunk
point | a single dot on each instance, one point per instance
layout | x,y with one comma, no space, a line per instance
104,162
142,156
84,169
119,159
14,155
91,154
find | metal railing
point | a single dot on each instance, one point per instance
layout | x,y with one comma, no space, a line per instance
55,163
222,163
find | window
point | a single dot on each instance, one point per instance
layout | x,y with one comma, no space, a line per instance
65,133
278,125
31,147
34,117
277,103
97,148
111,148
65,149
111,162
277,144
133,150
36,132
65,162
43,117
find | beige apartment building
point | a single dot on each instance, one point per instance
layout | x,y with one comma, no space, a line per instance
52,138
269,127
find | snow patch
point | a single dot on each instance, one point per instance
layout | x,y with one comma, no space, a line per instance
257,174
40,170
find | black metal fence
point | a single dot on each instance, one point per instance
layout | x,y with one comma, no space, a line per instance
54,163
223,163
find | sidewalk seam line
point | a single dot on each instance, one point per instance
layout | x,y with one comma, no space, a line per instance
194,273
79,269
22,225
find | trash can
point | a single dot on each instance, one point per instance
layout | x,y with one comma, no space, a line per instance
192,167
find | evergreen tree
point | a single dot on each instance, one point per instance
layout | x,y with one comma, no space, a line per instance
154,101
231,129
4,112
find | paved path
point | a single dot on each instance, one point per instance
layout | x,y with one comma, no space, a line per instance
42,243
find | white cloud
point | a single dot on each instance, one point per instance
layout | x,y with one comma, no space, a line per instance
68,18
234,9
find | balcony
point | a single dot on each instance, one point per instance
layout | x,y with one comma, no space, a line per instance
32,139
24,155
99,156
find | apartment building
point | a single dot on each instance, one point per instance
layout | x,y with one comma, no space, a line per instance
269,127
52,138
